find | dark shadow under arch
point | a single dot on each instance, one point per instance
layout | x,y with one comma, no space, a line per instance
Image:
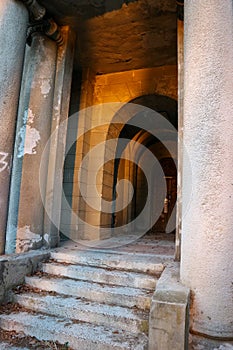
164,105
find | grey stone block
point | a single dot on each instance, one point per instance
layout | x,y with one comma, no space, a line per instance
168,325
15,267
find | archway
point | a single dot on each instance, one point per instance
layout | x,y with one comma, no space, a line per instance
130,170
109,123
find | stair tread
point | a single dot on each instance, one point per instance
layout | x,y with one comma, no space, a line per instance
118,295
79,335
101,275
131,262
46,280
132,320
79,305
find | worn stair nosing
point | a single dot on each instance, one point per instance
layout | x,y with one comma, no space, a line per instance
100,275
131,320
113,295
104,260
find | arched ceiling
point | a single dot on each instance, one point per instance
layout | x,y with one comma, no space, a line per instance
118,35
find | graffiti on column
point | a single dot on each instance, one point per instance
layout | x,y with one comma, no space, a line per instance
3,164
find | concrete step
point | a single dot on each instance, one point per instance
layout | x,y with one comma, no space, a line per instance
101,293
100,275
131,320
78,335
144,263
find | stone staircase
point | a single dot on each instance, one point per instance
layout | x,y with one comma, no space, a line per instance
86,299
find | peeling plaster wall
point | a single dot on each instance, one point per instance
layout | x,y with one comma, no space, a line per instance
27,240
36,104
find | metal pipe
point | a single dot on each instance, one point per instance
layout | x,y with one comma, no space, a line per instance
41,23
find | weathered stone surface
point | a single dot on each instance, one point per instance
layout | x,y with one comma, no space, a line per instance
207,240
78,335
102,293
134,321
116,37
100,275
200,343
118,40
13,270
13,27
168,324
147,263
88,309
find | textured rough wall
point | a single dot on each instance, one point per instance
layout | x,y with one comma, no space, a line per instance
125,86
139,35
117,35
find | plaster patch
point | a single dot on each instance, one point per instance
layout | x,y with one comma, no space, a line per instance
45,87
30,117
27,137
26,239
21,135
31,140
47,239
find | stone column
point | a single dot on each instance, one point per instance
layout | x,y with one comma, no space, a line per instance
13,27
207,228
57,149
36,114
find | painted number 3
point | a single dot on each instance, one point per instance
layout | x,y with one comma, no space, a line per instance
3,163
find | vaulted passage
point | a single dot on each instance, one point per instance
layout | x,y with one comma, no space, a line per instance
131,170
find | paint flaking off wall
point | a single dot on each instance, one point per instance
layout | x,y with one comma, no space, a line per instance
45,87
26,239
31,141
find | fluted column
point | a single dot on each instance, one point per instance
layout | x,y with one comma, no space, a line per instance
13,27
207,227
